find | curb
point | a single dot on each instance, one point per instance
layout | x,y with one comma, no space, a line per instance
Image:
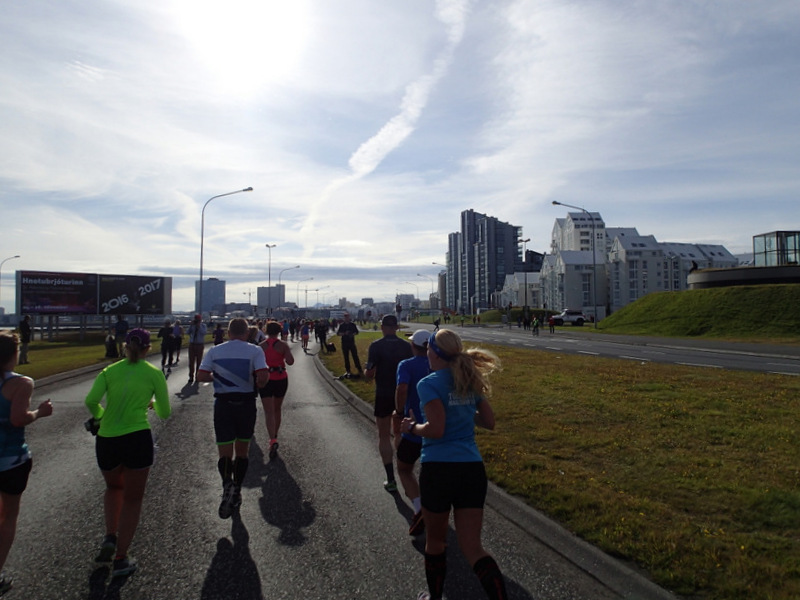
615,575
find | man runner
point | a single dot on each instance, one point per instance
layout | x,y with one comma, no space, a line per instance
231,367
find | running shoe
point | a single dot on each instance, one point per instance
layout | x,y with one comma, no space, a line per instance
106,552
417,524
273,450
236,502
390,486
424,596
226,505
123,566
6,583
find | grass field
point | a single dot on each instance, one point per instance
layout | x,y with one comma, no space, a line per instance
691,473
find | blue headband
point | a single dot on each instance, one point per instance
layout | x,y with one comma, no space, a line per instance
439,352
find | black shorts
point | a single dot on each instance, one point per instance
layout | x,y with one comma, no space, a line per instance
14,481
234,418
384,407
408,451
132,451
443,485
275,388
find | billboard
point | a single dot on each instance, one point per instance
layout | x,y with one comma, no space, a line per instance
134,294
40,292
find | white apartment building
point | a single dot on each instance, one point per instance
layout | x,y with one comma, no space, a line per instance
520,289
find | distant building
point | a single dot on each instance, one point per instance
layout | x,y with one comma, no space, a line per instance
270,298
213,295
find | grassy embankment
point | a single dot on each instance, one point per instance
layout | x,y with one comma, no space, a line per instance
691,473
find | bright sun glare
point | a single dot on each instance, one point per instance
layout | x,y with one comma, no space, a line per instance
245,44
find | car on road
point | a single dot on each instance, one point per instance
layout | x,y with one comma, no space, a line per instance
576,317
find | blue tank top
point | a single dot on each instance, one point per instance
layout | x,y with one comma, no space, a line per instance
13,449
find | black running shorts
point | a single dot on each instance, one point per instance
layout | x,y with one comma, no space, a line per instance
14,481
132,451
408,451
275,388
234,418
444,485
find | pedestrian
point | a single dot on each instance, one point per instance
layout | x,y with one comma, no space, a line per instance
232,367
197,344
551,322
304,335
111,345
167,344
535,326
15,458
382,359
25,335
409,373
277,355
321,331
219,334
120,331
348,332
177,338
453,399
124,443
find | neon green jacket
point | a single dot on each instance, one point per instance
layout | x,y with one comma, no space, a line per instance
128,388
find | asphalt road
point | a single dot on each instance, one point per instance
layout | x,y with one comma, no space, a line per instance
767,358
315,522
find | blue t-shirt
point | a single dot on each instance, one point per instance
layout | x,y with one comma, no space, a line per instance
458,442
411,371
13,449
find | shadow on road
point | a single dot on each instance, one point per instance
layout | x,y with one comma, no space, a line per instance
98,590
282,502
233,574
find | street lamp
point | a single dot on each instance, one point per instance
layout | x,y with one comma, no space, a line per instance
298,290
594,255
1,268
202,235
429,279
525,275
283,271
324,287
416,287
269,278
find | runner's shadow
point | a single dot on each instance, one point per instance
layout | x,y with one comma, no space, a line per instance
233,574
98,590
188,390
283,506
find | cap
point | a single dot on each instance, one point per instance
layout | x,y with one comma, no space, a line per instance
197,318
141,334
420,338
389,321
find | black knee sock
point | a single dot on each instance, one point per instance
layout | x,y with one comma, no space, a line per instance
225,467
435,572
389,471
491,578
240,469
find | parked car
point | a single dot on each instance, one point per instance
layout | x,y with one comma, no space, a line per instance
575,317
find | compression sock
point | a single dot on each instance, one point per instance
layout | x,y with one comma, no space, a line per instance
389,471
435,572
240,469
225,467
491,578
417,503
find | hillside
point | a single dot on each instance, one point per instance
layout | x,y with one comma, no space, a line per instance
755,313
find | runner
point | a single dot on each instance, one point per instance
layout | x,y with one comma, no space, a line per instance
409,374
15,459
231,367
124,445
277,355
197,345
453,400
304,335
167,345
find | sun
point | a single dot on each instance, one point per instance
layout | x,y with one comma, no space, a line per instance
245,44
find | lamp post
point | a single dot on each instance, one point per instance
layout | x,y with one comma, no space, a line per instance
324,287
594,255
429,279
298,290
1,268
202,235
269,278
283,271
249,295
525,275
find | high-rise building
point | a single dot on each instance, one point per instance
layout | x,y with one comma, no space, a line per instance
213,295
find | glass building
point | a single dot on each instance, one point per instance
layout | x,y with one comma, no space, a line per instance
776,249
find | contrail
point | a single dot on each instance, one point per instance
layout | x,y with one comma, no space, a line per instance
453,14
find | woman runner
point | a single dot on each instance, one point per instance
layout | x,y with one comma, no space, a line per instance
124,444
453,400
277,355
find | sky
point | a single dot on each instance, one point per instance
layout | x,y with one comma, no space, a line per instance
365,128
